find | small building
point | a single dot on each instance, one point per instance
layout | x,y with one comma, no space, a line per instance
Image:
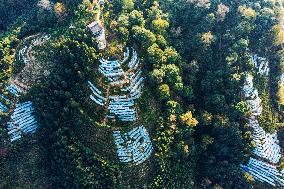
98,31
96,28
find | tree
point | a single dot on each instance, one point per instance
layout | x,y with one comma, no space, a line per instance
207,38
45,4
136,18
173,107
247,12
11,10
206,118
188,119
172,74
123,34
242,107
143,36
201,3
164,91
155,55
128,5
160,25
60,11
188,92
171,55
206,141
123,20
158,75
45,13
222,11
71,4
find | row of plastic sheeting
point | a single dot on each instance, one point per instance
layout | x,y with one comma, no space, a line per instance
22,121
134,146
267,145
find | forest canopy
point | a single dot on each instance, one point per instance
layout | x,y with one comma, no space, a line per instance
142,94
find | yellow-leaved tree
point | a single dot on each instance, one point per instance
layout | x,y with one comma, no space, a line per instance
188,119
281,94
60,11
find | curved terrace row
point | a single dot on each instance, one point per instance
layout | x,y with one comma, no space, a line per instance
267,148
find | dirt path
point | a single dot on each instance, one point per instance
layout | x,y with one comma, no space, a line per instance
106,105
99,11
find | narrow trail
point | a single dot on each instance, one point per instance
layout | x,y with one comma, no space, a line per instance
97,4
106,105
99,11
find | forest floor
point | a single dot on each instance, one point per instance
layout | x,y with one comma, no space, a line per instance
24,167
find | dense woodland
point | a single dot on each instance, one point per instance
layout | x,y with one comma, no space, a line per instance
195,54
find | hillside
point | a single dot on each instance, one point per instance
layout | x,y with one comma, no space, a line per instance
185,94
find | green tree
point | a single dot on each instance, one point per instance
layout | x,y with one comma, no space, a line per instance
160,25
164,91
143,36
136,18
